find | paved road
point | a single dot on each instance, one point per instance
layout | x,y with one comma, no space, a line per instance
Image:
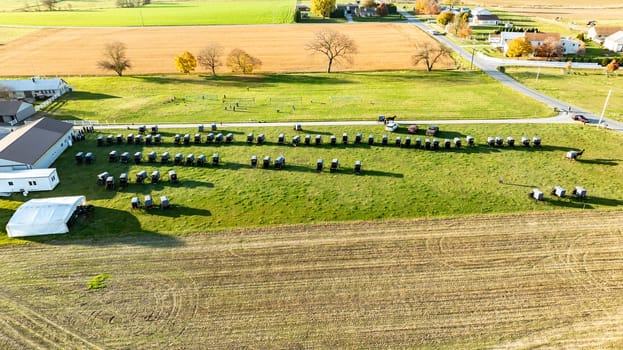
489,66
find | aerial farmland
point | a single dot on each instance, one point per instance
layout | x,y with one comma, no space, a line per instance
466,201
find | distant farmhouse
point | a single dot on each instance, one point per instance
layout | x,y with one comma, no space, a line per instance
13,111
483,17
501,41
614,42
35,88
600,33
36,145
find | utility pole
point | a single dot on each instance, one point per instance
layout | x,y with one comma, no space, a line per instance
603,111
536,81
471,63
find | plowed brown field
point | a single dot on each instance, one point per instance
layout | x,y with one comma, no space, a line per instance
281,48
508,282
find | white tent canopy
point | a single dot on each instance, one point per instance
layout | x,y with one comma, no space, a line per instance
43,216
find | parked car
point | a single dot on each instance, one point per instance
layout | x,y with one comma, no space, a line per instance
580,118
432,130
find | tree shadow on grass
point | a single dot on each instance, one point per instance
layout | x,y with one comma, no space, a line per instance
106,226
85,95
176,211
252,81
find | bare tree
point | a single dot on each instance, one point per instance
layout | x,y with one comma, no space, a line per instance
50,4
209,57
240,61
336,46
115,58
430,54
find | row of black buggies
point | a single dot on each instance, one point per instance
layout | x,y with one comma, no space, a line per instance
109,183
165,158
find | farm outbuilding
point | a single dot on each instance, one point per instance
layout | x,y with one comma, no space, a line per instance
36,88
13,111
28,180
614,42
43,216
36,145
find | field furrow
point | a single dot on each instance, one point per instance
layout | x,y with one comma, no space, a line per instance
515,281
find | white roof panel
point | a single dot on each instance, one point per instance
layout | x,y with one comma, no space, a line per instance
43,216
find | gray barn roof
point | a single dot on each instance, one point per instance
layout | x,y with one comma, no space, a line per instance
34,84
10,107
28,143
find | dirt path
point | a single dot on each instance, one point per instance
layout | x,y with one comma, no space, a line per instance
549,280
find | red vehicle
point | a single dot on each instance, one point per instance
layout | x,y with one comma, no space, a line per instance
580,118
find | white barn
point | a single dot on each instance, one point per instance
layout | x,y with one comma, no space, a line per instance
35,87
614,42
28,180
36,145
600,33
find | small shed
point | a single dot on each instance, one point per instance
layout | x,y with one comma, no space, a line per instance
13,111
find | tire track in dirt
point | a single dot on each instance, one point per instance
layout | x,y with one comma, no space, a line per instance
33,328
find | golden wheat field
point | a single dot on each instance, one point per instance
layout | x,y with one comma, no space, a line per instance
501,282
281,48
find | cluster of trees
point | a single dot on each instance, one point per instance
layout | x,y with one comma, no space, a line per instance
116,59
132,3
457,24
427,7
238,60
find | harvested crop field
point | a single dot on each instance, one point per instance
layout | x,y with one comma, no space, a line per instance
582,10
281,48
524,281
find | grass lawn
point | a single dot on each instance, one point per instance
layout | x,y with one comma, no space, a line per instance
350,96
195,12
396,182
584,88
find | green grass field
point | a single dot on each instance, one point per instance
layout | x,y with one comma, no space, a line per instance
196,12
396,182
347,96
583,88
